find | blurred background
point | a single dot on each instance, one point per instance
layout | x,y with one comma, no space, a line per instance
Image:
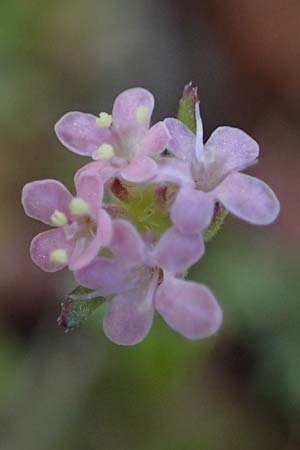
237,390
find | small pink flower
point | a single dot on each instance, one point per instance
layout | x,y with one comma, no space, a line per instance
141,279
82,226
122,139
211,172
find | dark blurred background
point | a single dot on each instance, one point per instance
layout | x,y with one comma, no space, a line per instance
237,390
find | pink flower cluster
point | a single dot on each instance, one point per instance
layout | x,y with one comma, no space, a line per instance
135,225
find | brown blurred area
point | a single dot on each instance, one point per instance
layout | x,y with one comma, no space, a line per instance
78,55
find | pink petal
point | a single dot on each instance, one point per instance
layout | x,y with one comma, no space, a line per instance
106,276
103,169
140,169
233,149
125,110
174,171
90,188
156,139
44,243
127,244
129,316
86,248
41,198
182,142
80,133
176,252
248,198
192,210
189,308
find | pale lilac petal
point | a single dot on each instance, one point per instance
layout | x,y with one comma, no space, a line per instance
173,170
80,133
233,150
104,169
199,132
182,142
87,247
127,244
189,308
44,243
125,110
156,139
129,316
176,252
41,198
106,276
192,210
248,198
140,169
90,188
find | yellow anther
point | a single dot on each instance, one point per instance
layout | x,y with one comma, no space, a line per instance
59,256
142,114
104,120
58,218
105,151
78,206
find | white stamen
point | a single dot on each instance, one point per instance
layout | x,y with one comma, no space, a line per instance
59,256
104,120
199,133
78,206
58,218
105,151
142,114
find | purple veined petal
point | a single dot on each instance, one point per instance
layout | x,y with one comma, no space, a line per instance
129,316
80,133
156,139
188,307
232,149
87,248
248,198
81,243
173,170
90,188
107,276
132,110
140,169
41,199
127,244
44,243
176,252
192,210
182,141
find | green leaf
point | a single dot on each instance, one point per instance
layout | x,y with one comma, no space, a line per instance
75,311
186,111
218,219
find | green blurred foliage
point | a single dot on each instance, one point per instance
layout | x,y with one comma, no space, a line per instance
237,390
